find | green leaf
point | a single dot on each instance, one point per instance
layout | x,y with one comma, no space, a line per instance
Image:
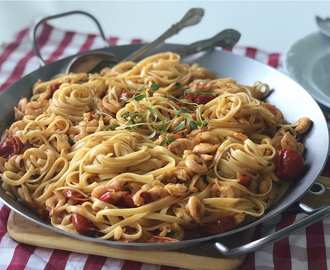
198,92
180,126
193,124
154,87
170,140
139,97
182,110
163,128
187,91
140,87
153,112
163,143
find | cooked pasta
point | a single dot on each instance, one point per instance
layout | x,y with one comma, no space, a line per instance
148,151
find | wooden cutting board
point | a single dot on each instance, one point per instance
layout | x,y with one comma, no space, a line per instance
25,231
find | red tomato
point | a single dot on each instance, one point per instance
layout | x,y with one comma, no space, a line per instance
71,193
126,95
199,98
75,195
126,201
222,225
44,214
106,197
203,99
10,147
288,164
54,87
146,196
81,224
245,180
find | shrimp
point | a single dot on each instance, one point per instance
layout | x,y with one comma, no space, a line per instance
158,191
288,141
15,127
180,145
303,125
209,137
240,136
36,108
109,106
176,189
203,85
77,132
196,164
223,190
275,111
205,148
54,202
195,209
20,111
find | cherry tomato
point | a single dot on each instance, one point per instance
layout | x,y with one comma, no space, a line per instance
75,195
199,98
126,95
203,99
43,213
288,164
245,180
10,147
53,87
71,193
81,224
126,201
108,198
146,196
222,225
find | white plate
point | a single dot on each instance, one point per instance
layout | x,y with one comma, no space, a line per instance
308,63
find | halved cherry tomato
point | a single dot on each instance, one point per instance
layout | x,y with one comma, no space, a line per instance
222,225
126,201
43,213
10,146
53,87
245,180
126,95
146,196
106,197
75,195
199,98
288,164
81,224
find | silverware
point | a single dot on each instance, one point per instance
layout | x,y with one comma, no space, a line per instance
225,39
95,62
192,17
324,25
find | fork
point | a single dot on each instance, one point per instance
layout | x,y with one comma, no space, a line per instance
324,25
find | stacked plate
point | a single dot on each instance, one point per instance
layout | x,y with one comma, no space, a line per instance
308,63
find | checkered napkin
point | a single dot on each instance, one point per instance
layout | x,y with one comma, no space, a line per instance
307,249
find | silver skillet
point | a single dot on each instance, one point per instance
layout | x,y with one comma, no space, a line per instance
288,96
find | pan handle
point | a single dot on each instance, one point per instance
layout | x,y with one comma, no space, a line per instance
34,32
315,215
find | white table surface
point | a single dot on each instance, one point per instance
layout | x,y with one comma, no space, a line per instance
269,25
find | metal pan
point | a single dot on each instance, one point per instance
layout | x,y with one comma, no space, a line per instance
288,96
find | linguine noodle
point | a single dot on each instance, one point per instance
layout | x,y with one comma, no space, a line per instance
148,151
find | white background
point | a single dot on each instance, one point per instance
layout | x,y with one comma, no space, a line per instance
272,26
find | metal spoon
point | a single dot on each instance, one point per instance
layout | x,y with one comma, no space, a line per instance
95,62
192,17
324,25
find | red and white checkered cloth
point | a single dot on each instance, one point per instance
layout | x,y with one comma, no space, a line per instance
307,249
